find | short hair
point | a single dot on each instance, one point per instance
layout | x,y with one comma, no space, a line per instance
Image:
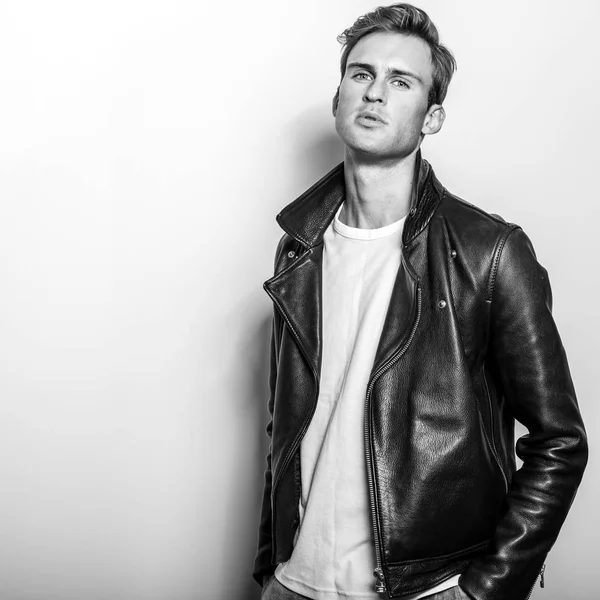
409,20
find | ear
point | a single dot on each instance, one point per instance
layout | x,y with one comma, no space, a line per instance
335,101
434,119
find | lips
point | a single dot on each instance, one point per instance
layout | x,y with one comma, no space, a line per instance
370,116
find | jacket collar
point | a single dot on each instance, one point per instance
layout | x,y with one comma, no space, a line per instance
306,218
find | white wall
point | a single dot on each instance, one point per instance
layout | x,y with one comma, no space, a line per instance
145,149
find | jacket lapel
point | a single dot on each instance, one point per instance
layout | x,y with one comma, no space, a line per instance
296,291
403,308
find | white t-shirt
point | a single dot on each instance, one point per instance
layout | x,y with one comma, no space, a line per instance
334,552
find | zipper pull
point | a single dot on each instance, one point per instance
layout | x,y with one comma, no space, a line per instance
542,575
380,585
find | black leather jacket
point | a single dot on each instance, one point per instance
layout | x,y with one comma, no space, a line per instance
468,345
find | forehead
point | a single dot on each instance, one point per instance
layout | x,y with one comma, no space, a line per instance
386,49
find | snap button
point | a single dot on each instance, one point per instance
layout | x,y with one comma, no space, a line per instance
442,304
291,254
453,254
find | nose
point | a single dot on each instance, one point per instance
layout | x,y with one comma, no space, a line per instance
375,92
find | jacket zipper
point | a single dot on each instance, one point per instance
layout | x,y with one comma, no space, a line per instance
542,584
380,585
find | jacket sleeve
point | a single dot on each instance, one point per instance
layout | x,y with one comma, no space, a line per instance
537,387
262,561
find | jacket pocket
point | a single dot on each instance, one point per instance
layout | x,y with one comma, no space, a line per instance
414,576
489,441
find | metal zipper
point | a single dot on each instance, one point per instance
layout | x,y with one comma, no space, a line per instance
542,583
380,585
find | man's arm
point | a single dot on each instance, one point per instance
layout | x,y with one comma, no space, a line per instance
529,356
262,563
263,567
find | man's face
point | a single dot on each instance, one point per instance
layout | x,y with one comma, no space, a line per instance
382,109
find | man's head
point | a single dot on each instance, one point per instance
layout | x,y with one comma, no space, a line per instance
394,67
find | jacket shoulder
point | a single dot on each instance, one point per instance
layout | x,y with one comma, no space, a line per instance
475,228
454,207
477,239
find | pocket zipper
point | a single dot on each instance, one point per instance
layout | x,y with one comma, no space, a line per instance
542,582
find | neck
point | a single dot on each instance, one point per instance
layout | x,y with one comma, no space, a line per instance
377,194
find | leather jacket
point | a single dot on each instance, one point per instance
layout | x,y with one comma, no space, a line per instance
469,344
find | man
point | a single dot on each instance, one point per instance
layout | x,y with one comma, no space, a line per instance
410,330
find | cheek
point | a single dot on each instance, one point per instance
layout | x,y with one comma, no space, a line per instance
412,117
347,96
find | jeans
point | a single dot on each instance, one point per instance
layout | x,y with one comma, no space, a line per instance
273,590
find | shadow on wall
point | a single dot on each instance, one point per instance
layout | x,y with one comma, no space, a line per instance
314,152
324,155
316,146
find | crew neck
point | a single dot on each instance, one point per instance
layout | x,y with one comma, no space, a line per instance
359,233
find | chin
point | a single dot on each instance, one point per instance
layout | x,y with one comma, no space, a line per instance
370,147
361,141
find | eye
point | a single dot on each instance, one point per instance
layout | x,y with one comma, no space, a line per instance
400,83
361,76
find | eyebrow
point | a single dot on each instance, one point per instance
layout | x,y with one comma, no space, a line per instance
388,71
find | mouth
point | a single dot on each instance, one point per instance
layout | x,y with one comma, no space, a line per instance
367,117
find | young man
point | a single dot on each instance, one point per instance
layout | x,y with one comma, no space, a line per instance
410,330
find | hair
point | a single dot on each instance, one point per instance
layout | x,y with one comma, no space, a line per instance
409,20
